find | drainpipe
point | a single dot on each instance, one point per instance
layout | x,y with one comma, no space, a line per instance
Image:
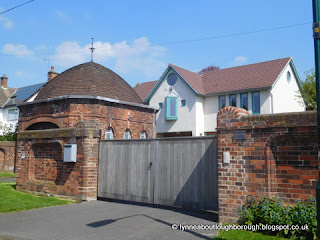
271,96
316,36
153,124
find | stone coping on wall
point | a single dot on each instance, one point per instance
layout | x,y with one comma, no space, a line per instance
7,143
60,133
90,98
278,120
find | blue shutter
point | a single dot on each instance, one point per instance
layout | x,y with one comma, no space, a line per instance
172,108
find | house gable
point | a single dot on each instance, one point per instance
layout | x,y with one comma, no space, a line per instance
163,77
285,92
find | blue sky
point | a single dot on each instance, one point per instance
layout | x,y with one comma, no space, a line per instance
138,39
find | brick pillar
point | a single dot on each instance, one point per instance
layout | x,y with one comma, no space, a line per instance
232,176
40,166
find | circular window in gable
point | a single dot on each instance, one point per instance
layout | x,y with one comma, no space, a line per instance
172,79
288,77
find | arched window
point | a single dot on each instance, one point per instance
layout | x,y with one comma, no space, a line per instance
109,133
143,134
127,134
42,126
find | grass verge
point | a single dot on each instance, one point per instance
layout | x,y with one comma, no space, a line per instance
7,174
14,201
244,235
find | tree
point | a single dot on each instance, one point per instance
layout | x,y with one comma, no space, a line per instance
208,68
308,90
137,84
8,132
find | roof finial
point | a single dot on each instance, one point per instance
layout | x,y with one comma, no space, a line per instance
92,49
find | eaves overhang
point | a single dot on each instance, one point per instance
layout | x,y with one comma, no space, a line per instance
87,97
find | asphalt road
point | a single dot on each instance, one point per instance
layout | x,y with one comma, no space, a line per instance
101,220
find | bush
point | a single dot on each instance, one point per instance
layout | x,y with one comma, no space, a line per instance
271,211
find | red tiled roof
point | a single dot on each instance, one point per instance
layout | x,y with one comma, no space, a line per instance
251,76
89,79
258,75
144,89
194,79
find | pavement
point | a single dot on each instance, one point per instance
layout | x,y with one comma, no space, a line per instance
102,220
7,179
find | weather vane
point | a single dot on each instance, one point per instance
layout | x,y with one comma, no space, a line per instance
92,49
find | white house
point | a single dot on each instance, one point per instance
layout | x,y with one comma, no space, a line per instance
189,102
10,97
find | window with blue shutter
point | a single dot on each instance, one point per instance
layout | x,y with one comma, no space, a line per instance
172,108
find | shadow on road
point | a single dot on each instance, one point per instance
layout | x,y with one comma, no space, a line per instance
110,221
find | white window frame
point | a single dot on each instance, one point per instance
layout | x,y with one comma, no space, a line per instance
109,133
127,134
14,116
143,135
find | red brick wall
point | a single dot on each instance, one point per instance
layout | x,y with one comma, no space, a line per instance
47,161
43,170
7,156
278,156
90,113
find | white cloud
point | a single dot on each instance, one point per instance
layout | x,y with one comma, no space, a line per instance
18,50
63,16
5,22
41,47
240,60
139,56
19,73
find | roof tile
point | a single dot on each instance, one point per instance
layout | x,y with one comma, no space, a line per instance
89,79
144,89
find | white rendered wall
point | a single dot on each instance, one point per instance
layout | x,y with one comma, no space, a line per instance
211,109
285,94
199,117
186,115
4,116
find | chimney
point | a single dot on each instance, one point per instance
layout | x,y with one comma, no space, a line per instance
4,81
52,74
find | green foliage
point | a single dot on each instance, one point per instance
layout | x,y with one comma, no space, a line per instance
7,174
308,90
244,235
8,132
271,211
14,201
137,84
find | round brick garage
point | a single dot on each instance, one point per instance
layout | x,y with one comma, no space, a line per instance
77,107
91,95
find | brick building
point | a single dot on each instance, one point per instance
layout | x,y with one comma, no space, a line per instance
78,106
88,95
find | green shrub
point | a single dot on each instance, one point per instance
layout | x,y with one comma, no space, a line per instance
271,211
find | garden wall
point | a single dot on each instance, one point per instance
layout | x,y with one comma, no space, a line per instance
269,154
7,155
40,166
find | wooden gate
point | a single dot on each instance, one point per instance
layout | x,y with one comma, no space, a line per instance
170,171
